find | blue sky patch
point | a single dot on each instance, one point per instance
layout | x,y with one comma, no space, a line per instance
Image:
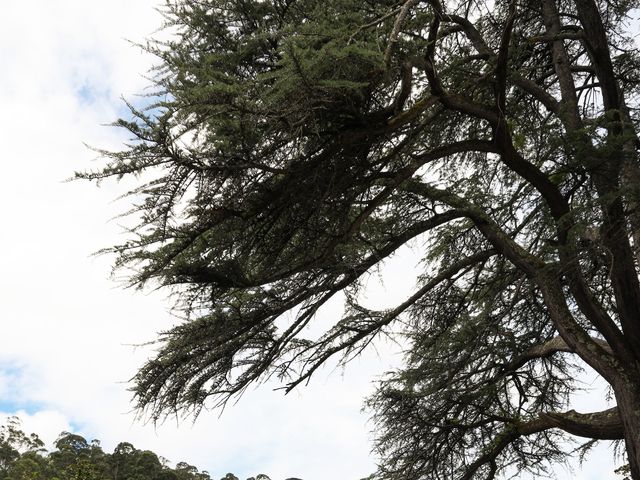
11,397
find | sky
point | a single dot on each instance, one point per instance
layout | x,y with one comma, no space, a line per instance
69,331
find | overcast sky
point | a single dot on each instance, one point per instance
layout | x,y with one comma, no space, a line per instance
67,329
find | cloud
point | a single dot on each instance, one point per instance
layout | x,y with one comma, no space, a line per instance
66,351
47,424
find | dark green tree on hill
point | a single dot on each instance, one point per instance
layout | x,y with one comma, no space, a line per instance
18,451
23,457
297,144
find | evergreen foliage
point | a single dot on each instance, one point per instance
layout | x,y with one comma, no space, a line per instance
297,144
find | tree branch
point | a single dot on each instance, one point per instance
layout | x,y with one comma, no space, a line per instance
575,336
485,51
397,27
572,332
579,35
502,242
598,49
387,317
562,66
555,345
554,199
604,425
502,61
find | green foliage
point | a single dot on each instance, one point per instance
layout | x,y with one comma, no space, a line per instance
14,445
25,458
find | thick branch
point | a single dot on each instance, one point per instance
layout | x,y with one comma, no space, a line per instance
594,311
562,65
454,102
509,155
605,425
579,35
502,61
485,51
412,112
502,242
539,93
592,352
545,350
576,337
397,27
598,48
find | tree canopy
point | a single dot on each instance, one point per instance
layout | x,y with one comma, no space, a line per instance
23,457
295,145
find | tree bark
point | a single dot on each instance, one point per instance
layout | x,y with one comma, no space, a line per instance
628,398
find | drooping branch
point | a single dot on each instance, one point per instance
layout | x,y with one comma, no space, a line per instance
384,318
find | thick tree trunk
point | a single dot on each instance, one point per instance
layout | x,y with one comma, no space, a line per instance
628,399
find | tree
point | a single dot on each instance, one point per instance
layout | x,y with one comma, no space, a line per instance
24,458
128,463
77,459
13,441
297,144
30,466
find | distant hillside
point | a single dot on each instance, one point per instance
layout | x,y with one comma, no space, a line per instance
23,457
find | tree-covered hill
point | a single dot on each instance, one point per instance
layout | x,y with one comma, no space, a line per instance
24,457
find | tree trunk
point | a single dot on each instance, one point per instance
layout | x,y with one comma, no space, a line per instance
628,400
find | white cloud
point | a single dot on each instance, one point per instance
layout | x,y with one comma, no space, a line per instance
47,424
65,353
66,326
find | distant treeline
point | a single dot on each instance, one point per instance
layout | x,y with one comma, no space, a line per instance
23,457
